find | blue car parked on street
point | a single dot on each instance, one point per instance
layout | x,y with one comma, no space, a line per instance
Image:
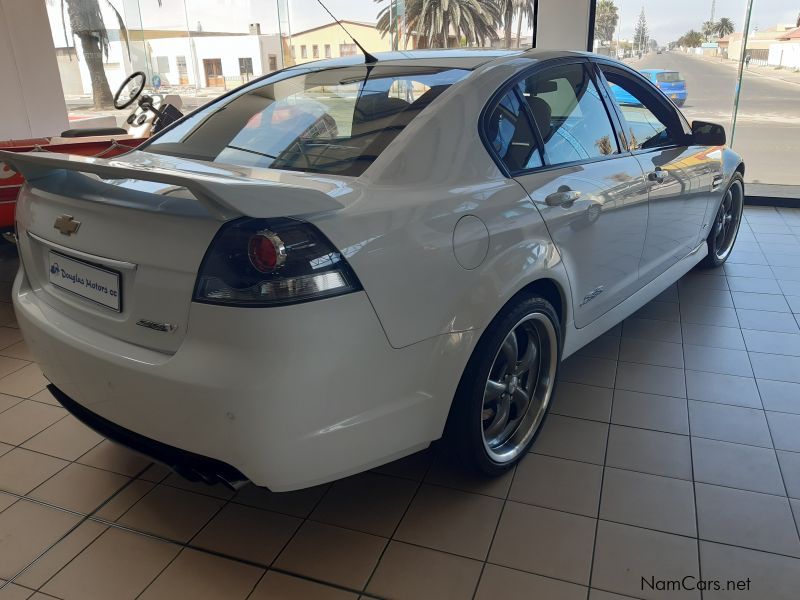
669,82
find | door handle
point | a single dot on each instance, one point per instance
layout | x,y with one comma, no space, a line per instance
565,198
659,175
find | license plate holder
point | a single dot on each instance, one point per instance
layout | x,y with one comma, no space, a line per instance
89,281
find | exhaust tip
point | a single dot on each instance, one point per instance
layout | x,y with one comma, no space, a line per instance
209,478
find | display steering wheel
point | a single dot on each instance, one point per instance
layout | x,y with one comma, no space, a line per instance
138,79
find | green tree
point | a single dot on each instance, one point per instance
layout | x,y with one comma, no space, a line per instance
606,20
526,9
640,33
725,27
87,24
474,20
709,29
691,39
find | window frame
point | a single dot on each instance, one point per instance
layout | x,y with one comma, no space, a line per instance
654,93
513,82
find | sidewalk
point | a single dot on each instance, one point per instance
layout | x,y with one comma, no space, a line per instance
768,72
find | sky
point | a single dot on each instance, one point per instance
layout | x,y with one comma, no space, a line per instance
667,19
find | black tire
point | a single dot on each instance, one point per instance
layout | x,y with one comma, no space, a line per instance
533,320
720,242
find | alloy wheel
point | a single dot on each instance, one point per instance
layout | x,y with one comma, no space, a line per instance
726,223
519,387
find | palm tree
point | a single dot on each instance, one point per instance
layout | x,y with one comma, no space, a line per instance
527,9
86,23
725,27
474,20
606,20
507,9
709,28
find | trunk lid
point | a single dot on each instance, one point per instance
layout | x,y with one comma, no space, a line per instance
116,244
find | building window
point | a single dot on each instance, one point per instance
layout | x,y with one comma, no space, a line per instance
327,50
315,51
183,71
273,62
162,64
348,49
303,51
246,68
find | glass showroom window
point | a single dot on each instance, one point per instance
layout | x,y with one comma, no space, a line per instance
735,62
186,47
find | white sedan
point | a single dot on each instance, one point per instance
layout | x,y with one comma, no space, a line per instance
315,273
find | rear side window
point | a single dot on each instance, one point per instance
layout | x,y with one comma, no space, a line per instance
571,118
510,134
668,77
335,121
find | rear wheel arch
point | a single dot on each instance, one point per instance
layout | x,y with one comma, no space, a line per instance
550,290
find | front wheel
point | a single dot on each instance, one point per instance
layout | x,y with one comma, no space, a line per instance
726,224
505,392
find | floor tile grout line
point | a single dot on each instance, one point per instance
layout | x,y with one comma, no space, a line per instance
500,516
795,518
186,546
82,520
303,521
691,464
435,452
602,480
196,533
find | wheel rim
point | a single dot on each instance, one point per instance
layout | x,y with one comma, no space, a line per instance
518,388
726,223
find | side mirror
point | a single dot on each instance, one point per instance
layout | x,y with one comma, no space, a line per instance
708,134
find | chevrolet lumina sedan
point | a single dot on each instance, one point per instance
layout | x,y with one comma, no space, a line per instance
335,265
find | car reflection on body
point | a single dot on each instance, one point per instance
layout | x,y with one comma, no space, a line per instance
315,273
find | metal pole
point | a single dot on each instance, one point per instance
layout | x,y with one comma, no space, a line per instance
740,73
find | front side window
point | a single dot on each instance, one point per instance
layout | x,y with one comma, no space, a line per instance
333,121
509,133
647,121
571,117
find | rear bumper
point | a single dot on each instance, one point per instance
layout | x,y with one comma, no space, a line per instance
287,396
192,466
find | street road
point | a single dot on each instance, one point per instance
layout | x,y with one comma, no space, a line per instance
768,126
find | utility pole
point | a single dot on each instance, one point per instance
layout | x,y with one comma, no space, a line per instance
713,9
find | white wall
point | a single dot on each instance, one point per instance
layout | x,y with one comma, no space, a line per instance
786,55
31,102
563,24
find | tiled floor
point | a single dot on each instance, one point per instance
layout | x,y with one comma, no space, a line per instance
673,449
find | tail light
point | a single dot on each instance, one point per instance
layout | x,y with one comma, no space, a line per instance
267,262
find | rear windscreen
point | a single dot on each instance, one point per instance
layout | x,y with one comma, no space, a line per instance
670,77
334,121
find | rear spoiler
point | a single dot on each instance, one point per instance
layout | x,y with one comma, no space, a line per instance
223,196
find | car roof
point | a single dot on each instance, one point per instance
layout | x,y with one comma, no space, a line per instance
459,58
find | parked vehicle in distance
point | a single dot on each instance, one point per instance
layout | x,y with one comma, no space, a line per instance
669,82
315,273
